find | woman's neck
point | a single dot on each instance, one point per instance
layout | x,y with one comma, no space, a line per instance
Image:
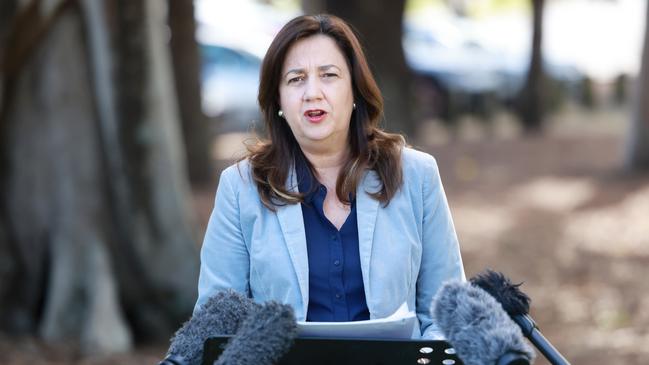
327,165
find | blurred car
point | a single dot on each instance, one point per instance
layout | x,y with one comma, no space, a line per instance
456,72
233,37
229,81
451,74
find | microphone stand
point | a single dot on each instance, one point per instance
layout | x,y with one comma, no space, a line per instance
173,360
531,331
517,305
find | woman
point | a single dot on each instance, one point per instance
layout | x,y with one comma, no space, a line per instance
331,215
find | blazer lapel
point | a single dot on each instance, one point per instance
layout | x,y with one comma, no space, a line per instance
366,211
292,224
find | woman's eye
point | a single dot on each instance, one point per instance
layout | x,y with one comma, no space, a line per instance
295,79
329,75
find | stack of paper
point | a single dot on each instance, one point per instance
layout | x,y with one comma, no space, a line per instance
399,325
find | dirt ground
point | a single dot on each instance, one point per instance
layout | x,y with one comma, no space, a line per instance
556,212
560,214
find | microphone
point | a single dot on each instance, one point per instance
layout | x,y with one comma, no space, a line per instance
222,314
517,305
263,338
475,324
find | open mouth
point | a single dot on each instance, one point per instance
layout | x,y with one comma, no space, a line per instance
315,115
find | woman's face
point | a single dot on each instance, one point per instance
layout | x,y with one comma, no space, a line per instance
316,94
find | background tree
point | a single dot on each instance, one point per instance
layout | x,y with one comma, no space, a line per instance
187,67
530,100
637,156
380,30
97,244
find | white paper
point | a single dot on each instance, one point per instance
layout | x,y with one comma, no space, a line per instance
399,325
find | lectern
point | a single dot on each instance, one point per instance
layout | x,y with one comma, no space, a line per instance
337,351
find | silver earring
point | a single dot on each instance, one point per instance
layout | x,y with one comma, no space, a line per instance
354,105
281,114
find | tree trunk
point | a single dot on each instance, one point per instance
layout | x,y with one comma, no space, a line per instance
187,68
380,31
54,197
637,151
94,213
530,103
7,10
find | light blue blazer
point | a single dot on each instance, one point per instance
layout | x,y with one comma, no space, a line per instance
407,249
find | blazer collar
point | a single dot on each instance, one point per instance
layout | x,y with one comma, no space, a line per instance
366,211
292,224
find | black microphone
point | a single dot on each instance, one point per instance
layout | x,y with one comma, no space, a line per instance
222,314
263,338
517,305
477,326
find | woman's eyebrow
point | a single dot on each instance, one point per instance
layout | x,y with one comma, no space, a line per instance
326,67
294,70
302,71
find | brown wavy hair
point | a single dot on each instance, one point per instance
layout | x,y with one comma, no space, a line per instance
371,148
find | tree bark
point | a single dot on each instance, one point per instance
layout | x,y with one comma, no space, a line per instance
20,304
55,197
530,103
156,237
187,68
94,199
637,151
380,31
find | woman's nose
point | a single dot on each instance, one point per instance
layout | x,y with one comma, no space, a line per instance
313,90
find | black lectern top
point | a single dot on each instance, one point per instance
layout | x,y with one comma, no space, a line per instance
336,351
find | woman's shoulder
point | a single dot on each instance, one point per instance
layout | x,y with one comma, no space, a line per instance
415,161
419,168
237,174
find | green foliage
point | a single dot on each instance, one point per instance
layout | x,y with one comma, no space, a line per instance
413,6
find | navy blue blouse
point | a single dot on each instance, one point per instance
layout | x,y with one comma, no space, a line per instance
336,291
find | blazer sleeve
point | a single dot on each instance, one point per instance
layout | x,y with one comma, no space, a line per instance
441,259
224,256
